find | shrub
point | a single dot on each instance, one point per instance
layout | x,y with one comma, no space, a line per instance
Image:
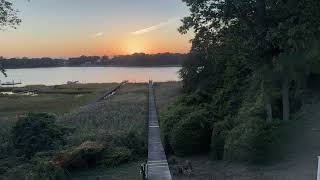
47,170
83,156
252,136
132,140
192,134
37,132
169,121
116,156
250,140
219,133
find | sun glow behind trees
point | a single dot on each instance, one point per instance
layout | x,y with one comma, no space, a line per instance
95,28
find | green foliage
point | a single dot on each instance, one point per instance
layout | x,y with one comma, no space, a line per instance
219,134
169,121
116,156
47,170
132,140
252,59
83,156
192,134
250,141
37,132
186,129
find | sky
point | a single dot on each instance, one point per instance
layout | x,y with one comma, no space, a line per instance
67,28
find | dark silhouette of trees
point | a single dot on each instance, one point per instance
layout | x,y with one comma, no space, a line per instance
142,60
8,18
253,59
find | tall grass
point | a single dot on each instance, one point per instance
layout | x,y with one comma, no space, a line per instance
124,111
166,93
121,117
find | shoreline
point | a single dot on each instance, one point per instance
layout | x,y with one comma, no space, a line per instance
164,66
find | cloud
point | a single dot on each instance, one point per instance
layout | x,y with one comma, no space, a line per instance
156,27
99,34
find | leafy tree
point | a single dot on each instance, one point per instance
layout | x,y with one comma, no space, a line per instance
8,15
249,56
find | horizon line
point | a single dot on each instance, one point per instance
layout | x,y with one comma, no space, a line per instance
67,57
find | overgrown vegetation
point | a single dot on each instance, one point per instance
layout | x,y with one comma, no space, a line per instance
37,132
250,66
104,134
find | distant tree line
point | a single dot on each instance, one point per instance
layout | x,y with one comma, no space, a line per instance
138,59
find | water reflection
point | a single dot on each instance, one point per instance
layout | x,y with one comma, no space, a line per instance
54,76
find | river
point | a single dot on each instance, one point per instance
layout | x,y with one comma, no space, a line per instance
60,75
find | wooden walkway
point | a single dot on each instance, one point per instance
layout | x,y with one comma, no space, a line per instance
111,92
158,168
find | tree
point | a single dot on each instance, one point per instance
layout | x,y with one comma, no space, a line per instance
8,18
8,15
258,32
249,55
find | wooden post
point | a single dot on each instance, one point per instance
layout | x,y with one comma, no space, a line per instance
318,173
143,171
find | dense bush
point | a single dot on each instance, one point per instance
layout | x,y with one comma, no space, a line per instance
192,134
169,121
37,132
46,170
186,129
134,140
115,156
250,136
113,151
86,155
250,141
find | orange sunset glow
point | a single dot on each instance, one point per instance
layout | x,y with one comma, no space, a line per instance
44,33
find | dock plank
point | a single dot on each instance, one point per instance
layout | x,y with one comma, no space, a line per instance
158,168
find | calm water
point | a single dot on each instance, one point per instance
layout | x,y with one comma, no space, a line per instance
54,76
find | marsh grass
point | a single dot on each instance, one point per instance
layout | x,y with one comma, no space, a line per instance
121,116
124,111
61,99
166,93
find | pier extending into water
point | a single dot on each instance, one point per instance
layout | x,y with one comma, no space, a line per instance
157,167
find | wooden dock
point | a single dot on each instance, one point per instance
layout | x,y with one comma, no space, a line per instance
111,92
157,167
